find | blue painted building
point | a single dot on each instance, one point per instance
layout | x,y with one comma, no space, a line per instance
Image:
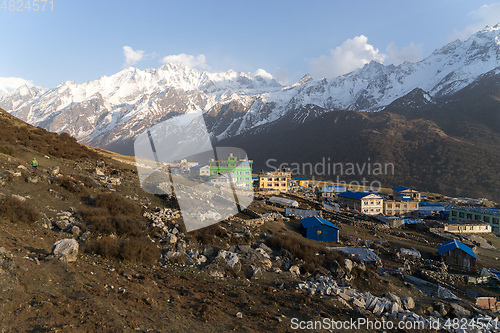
319,229
457,255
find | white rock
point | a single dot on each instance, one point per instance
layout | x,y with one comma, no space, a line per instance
66,250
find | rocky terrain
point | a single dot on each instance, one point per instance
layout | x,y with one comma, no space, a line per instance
84,248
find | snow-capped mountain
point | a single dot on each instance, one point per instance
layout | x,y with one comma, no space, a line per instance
111,110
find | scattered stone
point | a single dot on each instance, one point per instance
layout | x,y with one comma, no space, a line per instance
75,230
62,224
408,303
18,197
171,238
32,180
295,270
265,248
54,171
459,310
7,264
393,298
348,265
256,273
239,315
85,236
66,250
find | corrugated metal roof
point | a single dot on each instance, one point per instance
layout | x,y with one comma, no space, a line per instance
361,253
400,188
480,210
300,178
354,194
314,221
198,166
454,244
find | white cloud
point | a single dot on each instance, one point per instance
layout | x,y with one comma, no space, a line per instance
198,61
282,75
481,17
12,83
410,53
131,56
352,54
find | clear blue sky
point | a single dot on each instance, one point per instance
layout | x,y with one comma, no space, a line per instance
82,40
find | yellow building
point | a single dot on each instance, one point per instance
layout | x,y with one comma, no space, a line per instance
393,207
278,181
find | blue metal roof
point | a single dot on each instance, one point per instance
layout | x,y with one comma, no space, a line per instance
454,244
400,188
198,166
314,221
480,210
354,194
300,178
429,204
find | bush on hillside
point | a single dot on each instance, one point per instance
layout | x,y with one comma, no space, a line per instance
137,250
18,211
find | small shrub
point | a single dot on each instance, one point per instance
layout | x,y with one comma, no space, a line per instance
18,211
100,221
138,250
313,255
71,185
6,150
117,205
207,235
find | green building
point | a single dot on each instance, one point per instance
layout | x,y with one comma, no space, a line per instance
241,169
489,215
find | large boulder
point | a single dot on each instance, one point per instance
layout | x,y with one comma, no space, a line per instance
459,310
66,250
408,302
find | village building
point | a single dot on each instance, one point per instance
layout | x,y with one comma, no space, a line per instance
319,229
405,201
240,168
394,207
302,181
429,208
224,179
490,215
284,201
277,180
457,255
468,227
363,202
199,171
331,190
406,194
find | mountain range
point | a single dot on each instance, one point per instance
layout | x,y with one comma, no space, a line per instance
386,112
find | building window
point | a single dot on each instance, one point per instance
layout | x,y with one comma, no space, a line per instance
389,205
461,214
453,213
495,220
469,216
365,202
487,219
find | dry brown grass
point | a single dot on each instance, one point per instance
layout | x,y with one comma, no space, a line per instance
18,211
121,228
313,255
139,250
